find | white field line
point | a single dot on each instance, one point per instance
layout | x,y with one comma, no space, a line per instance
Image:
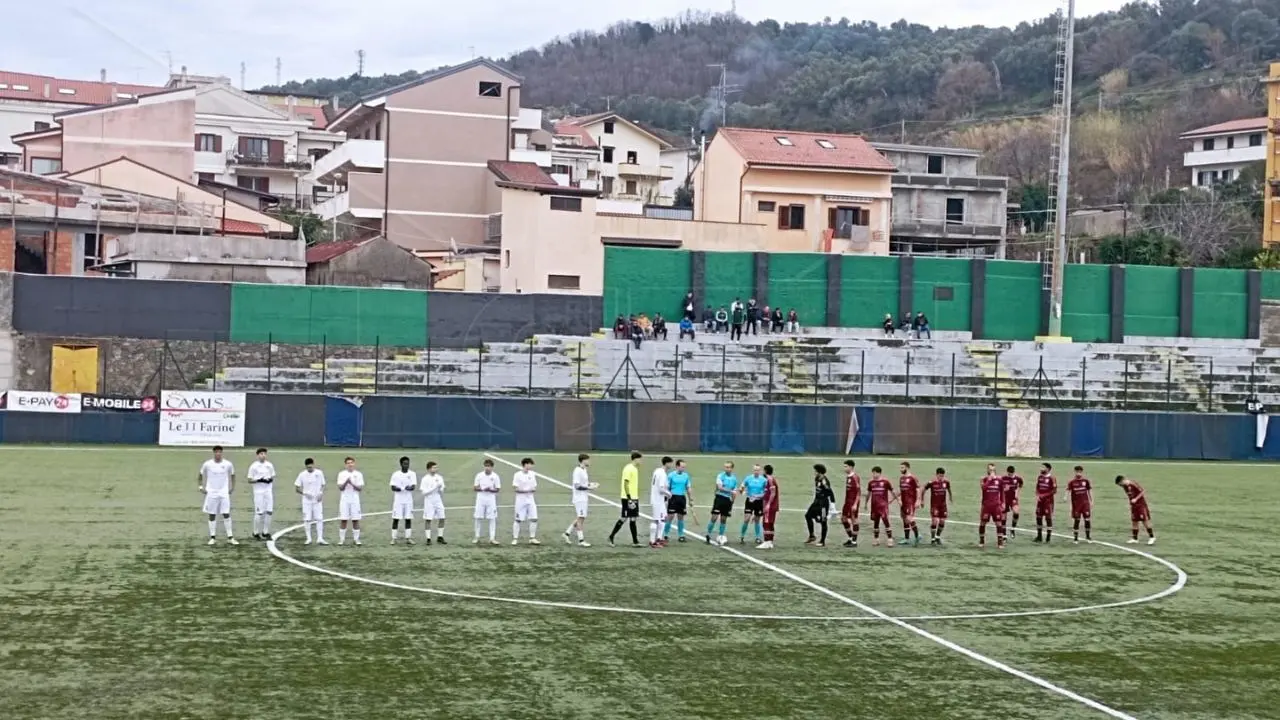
954,647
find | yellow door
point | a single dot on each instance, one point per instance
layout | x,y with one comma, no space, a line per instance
74,369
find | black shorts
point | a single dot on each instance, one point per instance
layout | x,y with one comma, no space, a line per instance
630,509
722,506
817,511
754,508
677,505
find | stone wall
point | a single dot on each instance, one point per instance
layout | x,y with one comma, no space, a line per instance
141,367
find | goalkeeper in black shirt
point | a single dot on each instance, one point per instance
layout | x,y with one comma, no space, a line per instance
820,508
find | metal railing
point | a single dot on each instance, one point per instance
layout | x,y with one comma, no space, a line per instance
669,371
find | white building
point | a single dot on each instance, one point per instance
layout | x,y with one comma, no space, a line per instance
630,165
29,102
682,161
243,141
1219,152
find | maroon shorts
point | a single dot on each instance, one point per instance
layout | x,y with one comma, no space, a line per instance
907,505
1010,503
938,511
1081,511
880,512
1044,508
1139,511
991,512
849,513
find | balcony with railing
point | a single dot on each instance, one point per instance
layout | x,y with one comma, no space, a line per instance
659,172
350,156
363,198
290,162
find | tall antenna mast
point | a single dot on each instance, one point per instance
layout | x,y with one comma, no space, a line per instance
278,65
722,92
241,74
360,63
1055,257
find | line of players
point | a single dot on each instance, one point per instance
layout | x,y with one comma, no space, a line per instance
671,498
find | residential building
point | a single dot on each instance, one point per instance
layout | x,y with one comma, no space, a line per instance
682,160
941,205
813,192
630,163
414,165
155,130
316,109
1271,189
1219,152
371,262
29,102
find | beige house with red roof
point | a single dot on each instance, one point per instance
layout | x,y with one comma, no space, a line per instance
1219,152
813,192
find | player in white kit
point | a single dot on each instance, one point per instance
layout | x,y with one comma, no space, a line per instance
217,479
403,482
261,476
582,487
310,485
525,483
350,484
659,494
487,484
432,486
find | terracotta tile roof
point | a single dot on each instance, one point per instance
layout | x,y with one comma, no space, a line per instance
803,149
242,227
521,173
1227,128
84,92
571,128
325,252
315,114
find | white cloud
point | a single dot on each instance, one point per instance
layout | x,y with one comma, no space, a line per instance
320,37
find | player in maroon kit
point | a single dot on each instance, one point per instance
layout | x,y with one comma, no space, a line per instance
1046,494
771,505
852,503
1012,485
992,507
939,491
880,493
1139,512
1081,492
908,503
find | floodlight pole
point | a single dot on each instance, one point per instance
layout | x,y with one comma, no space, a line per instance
1063,180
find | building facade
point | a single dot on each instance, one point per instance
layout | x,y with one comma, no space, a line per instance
810,192
1220,152
629,165
414,165
941,205
29,102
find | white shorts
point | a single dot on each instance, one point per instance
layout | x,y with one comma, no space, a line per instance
580,508
312,510
402,508
432,507
217,504
264,500
526,508
658,511
349,509
486,508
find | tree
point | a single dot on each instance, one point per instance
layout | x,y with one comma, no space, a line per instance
963,87
1145,247
684,196
1207,227
1255,33
1033,203
307,224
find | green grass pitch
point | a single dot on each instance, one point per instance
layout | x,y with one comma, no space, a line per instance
115,608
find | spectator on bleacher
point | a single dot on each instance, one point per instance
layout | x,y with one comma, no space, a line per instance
687,305
738,317
621,328
737,303
776,320
888,324
765,316
646,325
722,319
709,319
686,328
922,326
907,323
659,326
753,317
793,322
637,333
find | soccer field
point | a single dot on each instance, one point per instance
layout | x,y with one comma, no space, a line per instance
114,607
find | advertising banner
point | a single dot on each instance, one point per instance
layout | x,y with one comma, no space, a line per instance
118,403
202,418
45,402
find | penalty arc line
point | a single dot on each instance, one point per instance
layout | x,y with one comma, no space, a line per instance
938,639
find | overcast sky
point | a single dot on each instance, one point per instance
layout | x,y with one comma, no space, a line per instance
135,39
